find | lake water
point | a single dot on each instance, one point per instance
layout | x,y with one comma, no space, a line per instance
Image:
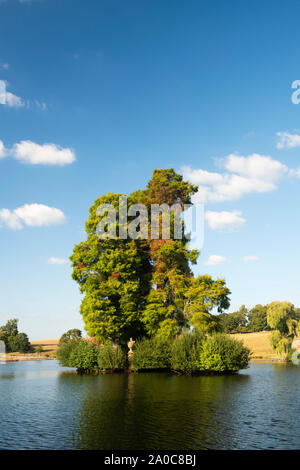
43,406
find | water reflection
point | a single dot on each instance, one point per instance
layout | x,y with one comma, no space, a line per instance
43,406
157,411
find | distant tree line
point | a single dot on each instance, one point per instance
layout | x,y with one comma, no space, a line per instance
14,341
248,320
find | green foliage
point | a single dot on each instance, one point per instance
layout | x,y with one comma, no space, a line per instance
70,335
10,328
14,341
186,351
167,329
220,353
203,295
283,317
151,353
257,319
192,352
64,350
18,343
281,344
111,357
114,275
235,322
84,356
134,288
78,353
278,314
38,348
168,187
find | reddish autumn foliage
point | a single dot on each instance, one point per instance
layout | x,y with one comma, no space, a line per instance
94,341
115,275
80,266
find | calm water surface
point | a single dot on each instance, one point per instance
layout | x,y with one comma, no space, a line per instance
43,406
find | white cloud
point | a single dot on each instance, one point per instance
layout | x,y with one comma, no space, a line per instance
255,166
288,140
40,105
13,101
250,258
33,215
10,219
57,260
47,154
224,220
295,173
3,151
252,174
213,260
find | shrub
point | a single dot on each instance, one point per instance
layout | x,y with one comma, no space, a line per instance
64,351
153,353
78,353
220,353
84,355
185,352
111,357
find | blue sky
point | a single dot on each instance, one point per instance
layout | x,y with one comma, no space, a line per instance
101,92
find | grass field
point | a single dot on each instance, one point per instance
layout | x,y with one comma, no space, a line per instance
49,345
259,344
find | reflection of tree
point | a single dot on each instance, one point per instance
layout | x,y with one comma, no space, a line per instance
157,411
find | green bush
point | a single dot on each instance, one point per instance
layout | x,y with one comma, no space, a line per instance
64,350
111,357
220,353
84,356
153,353
185,352
78,353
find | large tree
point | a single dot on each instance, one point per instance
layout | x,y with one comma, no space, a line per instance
235,322
257,318
14,341
143,286
283,319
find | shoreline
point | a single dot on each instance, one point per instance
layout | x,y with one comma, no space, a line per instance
25,358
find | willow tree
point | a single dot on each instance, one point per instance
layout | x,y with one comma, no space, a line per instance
283,319
145,285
